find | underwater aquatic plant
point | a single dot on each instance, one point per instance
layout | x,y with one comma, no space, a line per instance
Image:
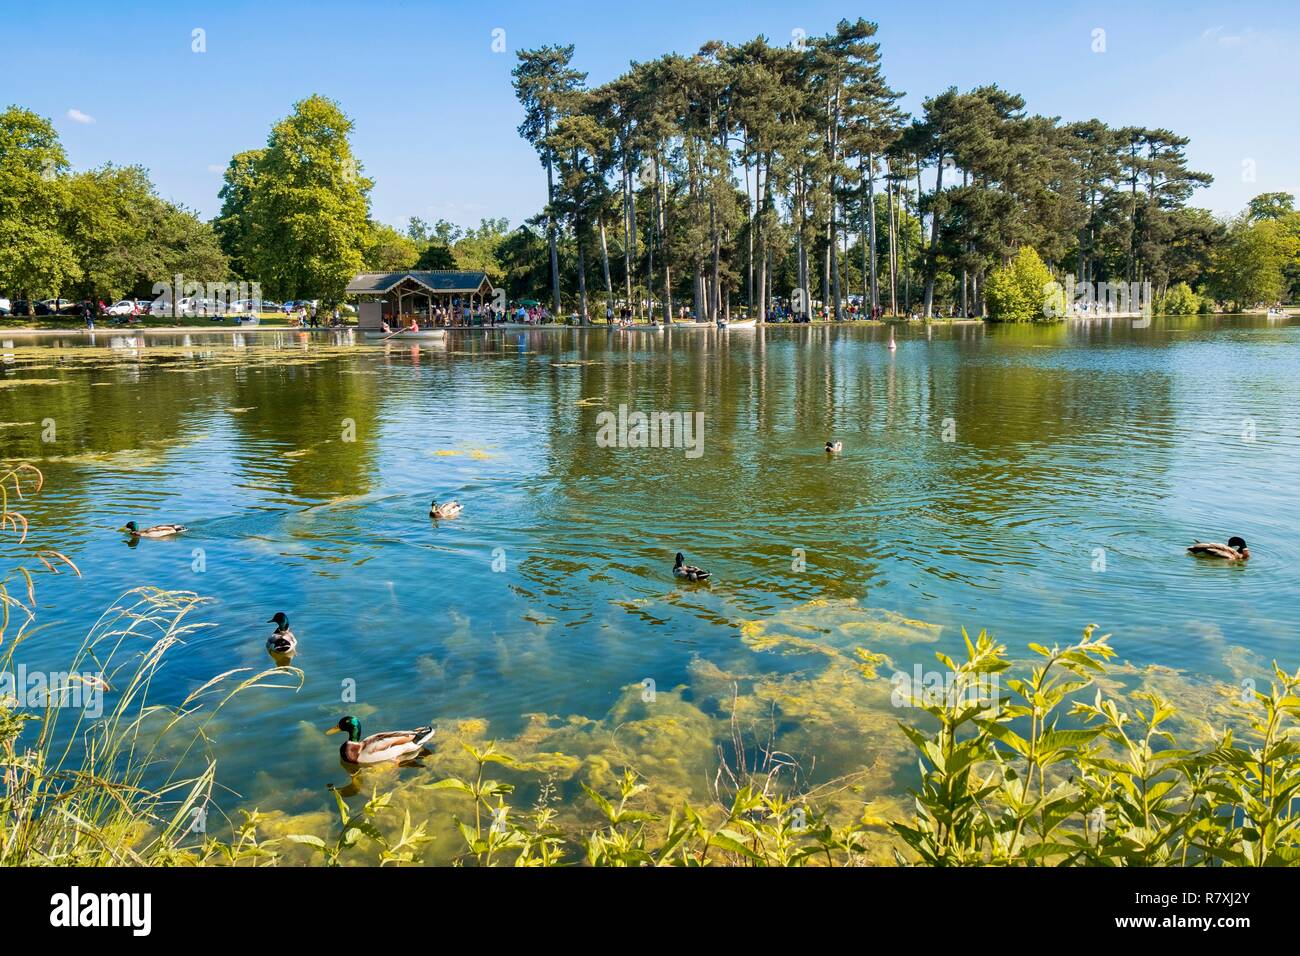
1062,770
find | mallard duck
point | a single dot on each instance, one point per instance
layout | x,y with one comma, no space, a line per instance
688,571
1234,550
834,447
451,509
157,531
281,641
391,745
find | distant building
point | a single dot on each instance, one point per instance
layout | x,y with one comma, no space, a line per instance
399,297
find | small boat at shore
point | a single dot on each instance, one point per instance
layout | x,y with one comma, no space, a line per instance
406,335
660,326
745,324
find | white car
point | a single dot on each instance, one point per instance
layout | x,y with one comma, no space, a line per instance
186,307
121,307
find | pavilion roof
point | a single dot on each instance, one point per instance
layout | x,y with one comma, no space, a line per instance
435,280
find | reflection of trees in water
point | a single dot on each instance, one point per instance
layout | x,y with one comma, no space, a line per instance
1029,420
1025,422
97,419
295,429
128,415
1029,423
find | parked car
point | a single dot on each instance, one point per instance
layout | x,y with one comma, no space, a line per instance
246,307
121,307
27,307
5,306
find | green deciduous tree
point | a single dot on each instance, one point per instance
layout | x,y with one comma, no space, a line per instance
234,224
1251,267
389,250
1018,292
36,257
308,223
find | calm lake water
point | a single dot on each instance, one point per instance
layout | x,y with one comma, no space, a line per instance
1083,459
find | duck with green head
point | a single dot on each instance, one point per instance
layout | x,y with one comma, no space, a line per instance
156,531
385,747
282,642
1234,550
689,571
450,509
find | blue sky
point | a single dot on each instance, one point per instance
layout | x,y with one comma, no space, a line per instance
435,115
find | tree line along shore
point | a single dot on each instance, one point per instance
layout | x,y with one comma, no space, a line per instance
749,178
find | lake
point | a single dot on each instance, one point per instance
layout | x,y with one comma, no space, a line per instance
1027,480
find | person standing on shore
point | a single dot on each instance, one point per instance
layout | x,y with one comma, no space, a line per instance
88,314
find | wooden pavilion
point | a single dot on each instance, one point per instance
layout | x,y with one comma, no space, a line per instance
433,298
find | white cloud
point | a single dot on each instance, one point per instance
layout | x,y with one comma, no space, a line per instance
79,117
216,168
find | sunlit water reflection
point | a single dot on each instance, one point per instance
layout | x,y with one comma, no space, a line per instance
1083,459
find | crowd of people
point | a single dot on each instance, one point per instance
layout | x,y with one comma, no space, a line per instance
306,316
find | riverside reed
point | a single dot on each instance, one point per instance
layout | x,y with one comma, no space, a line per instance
1054,773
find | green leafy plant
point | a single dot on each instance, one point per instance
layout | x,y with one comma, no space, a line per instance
1005,780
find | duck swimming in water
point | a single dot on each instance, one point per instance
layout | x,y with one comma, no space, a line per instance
281,642
384,747
157,531
1234,550
451,509
688,571
834,447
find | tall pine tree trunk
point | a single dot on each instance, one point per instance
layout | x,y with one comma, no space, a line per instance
893,246
550,227
763,189
581,243
604,263
663,239
932,255
871,236
629,230
753,223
